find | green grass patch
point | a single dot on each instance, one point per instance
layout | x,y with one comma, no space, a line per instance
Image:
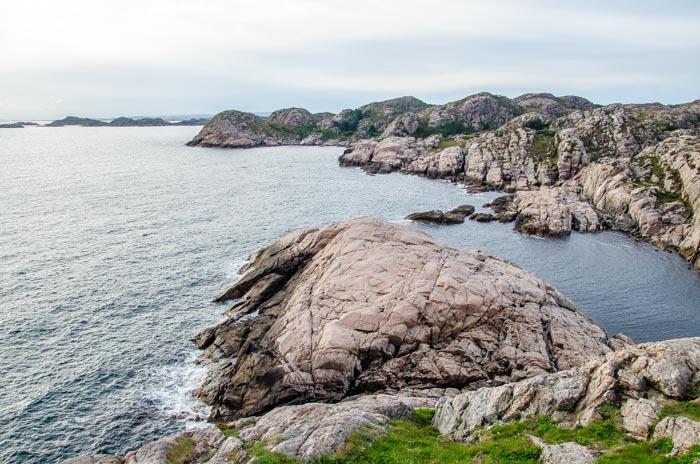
446,130
543,148
536,124
416,441
648,452
228,430
665,126
183,452
689,409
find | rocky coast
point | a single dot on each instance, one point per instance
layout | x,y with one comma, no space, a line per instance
568,163
343,341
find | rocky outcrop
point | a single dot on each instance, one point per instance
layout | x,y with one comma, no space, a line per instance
454,216
392,154
365,305
655,194
232,129
404,125
551,106
478,112
652,371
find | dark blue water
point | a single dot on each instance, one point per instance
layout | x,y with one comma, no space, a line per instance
114,240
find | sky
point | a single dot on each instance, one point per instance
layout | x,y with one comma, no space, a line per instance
104,58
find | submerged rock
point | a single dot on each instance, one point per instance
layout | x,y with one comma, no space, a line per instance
454,216
366,305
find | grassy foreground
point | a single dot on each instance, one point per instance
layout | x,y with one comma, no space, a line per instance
416,441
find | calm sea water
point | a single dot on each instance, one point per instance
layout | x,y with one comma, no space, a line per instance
114,240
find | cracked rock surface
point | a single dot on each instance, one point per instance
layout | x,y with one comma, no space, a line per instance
366,305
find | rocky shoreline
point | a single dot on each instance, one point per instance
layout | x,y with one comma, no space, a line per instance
358,326
568,163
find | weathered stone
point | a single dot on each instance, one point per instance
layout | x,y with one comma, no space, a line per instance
313,429
638,416
662,370
682,431
565,453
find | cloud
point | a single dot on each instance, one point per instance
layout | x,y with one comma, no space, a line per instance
151,55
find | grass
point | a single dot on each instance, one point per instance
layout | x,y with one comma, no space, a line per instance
228,430
183,452
543,148
647,452
416,441
688,409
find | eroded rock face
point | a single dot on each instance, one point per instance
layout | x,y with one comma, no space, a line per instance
651,371
366,305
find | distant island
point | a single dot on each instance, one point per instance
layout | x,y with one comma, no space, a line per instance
117,122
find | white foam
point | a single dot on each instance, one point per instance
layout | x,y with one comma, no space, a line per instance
233,267
173,393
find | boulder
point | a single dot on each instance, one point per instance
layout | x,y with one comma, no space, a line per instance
639,416
683,432
564,453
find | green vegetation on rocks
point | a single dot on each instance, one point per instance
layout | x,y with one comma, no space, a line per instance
543,147
183,452
417,441
446,130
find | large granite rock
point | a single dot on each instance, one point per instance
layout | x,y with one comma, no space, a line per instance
654,371
366,305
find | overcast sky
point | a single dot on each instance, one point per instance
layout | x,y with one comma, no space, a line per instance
104,58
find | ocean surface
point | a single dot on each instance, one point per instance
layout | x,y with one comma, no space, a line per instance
114,240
